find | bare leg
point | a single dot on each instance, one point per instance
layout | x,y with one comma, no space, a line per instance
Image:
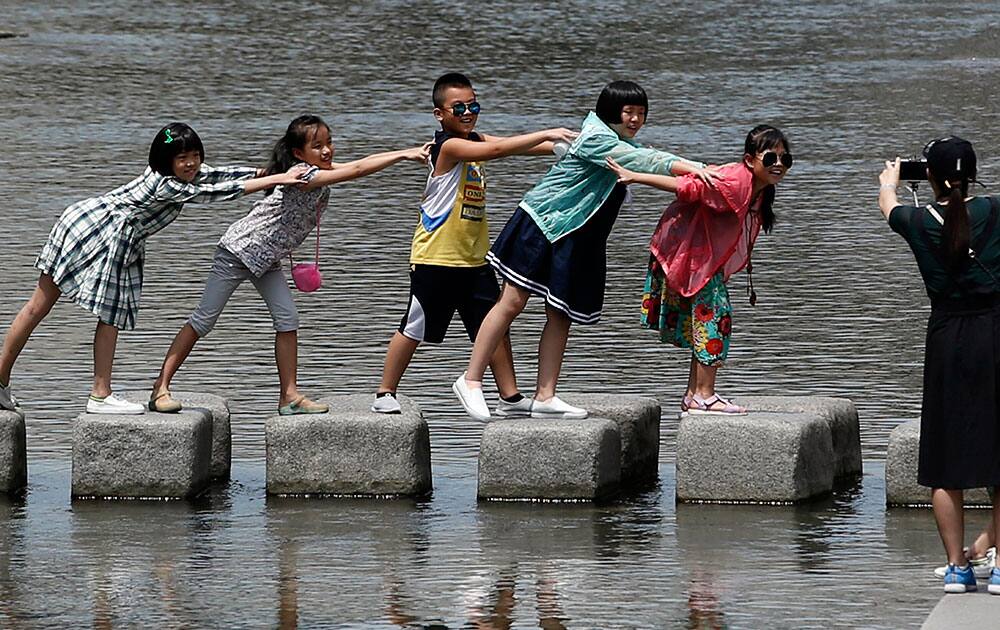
950,522
31,314
493,330
178,353
286,354
704,379
692,377
551,348
397,359
502,366
105,341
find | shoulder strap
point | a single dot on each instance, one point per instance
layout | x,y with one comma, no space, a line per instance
980,242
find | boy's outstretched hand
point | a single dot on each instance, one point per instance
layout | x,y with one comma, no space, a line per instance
709,175
561,134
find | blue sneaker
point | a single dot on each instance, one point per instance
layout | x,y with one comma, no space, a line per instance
994,587
962,580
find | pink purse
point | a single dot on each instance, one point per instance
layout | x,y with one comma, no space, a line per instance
306,276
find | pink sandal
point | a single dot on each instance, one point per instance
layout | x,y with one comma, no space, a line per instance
686,403
703,407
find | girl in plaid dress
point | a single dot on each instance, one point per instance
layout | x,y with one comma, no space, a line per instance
253,249
94,253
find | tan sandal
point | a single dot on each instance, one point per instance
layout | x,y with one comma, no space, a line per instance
164,403
303,405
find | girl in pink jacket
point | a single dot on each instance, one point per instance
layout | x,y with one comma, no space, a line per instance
702,239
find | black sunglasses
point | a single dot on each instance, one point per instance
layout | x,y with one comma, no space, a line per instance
770,158
460,108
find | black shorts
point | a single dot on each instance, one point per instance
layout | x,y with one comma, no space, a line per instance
436,292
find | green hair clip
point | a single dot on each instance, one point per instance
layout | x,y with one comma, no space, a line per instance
169,137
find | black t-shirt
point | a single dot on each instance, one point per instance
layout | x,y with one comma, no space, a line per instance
923,233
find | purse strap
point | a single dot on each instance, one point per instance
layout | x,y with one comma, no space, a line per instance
292,261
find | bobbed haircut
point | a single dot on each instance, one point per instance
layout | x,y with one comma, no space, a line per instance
760,139
296,135
448,80
616,95
171,141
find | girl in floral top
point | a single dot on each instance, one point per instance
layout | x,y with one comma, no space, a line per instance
253,248
94,254
701,240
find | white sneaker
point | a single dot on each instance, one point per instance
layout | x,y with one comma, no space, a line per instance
386,403
982,567
112,404
7,399
555,408
520,409
472,399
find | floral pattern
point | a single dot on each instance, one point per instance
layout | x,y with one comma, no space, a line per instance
702,322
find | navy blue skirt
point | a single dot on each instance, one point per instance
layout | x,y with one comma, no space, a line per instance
569,273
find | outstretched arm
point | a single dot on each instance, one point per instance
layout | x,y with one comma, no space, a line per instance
177,191
456,150
625,176
888,181
367,165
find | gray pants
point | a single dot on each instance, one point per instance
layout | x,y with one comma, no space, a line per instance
229,272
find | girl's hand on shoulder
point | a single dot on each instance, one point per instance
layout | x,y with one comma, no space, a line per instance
561,134
419,154
890,174
709,175
625,176
294,175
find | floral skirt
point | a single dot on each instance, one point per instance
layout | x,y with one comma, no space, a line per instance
702,322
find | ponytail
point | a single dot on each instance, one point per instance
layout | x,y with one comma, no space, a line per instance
766,209
955,236
296,136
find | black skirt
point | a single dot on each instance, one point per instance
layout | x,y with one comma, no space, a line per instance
570,273
960,417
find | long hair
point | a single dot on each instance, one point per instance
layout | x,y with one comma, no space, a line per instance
760,139
296,136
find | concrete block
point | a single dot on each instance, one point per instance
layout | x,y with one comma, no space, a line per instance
638,421
901,460
532,458
154,455
756,458
222,446
839,413
349,451
13,453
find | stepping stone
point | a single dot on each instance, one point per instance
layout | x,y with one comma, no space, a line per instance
901,459
350,451
761,457
13,453
222,448
638,420
152,455
531,458
839,413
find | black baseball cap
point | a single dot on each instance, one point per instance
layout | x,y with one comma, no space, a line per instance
951,158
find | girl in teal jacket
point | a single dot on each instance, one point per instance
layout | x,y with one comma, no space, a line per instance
554,244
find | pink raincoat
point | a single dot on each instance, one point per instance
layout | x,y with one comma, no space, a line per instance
706,230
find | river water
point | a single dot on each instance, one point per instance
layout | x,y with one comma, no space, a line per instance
83,88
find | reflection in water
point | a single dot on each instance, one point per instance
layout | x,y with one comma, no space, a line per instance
704,611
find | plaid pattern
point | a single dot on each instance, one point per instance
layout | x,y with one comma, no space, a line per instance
96,249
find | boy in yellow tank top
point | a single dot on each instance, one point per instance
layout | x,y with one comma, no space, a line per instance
448,270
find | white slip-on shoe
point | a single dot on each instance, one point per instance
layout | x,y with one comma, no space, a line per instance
7,399
386,403
982,567
112,404
472,399
556,408
520,409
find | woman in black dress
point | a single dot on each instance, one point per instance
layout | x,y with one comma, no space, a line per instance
956,243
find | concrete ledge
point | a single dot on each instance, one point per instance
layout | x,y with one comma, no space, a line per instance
222,448
901,460
154,455
533,458
638,421
13,453
839,413
756,458
969,610
349,451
